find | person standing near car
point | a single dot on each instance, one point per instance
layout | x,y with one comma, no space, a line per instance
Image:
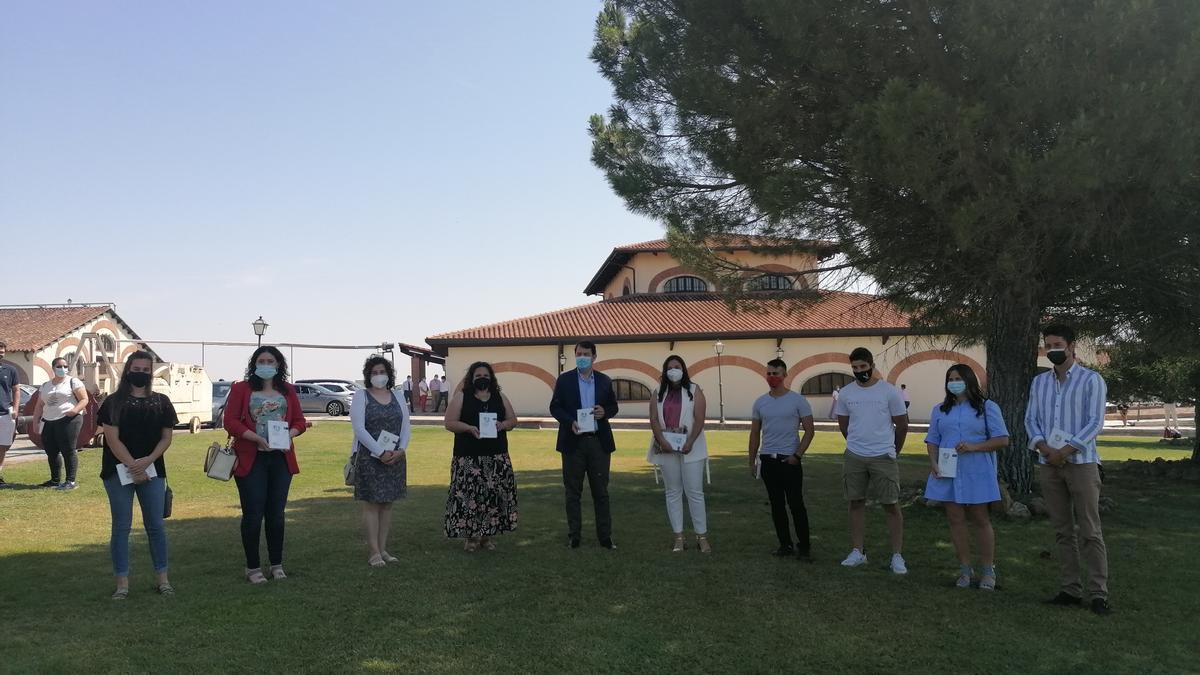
62,401
10,401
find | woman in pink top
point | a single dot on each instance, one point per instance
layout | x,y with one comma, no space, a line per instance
678,447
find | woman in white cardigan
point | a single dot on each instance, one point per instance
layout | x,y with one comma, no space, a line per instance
381,434
678,447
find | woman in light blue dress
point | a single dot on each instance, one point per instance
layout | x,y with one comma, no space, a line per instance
973,427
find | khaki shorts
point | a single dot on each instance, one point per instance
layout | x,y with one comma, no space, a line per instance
874,478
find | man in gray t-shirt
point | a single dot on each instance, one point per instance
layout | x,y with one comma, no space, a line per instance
776,449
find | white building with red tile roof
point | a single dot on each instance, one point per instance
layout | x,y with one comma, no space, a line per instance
653,306
35,335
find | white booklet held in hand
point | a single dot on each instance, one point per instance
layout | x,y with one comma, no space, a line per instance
947,462
8,429
585,420
278,437
1058,438
387,440
676,440
487,425
127,478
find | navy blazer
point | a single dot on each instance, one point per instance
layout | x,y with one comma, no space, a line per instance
565,403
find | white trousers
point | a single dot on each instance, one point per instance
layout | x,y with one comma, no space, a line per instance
681,479
1171,415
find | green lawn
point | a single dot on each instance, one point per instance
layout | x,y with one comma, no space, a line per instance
535,606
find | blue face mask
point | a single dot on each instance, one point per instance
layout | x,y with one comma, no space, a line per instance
60,371
956,387
583,362
265,372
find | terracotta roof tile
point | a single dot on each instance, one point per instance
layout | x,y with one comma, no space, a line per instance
26,329
683,315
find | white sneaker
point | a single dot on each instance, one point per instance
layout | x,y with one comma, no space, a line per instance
898,564
855,559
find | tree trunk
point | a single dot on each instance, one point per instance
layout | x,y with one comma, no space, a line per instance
1196,432
1011,347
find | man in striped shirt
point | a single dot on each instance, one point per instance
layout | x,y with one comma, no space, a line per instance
1064,417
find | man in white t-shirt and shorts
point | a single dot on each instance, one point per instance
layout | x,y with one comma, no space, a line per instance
872,417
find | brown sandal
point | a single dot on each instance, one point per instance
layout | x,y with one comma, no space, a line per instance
702,543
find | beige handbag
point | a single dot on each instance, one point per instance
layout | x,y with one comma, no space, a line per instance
350,471
220,463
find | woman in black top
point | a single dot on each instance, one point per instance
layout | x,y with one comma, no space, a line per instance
483,490
138,425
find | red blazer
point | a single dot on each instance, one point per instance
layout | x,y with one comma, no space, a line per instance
237,422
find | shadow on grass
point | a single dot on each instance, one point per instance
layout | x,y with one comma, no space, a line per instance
536,606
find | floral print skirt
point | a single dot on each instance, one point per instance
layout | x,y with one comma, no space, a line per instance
483,497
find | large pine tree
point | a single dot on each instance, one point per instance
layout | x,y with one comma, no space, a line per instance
989,164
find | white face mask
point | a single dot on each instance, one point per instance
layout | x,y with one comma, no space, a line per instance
674,374
379,381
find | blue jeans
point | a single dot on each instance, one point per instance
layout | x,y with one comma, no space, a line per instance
120,500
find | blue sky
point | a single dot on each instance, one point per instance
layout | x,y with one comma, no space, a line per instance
353,172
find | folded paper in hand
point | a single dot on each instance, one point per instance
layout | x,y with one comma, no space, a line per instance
947,462
278,437
387,441
127,478
585,420
487,425
676,440
8,429
1058,438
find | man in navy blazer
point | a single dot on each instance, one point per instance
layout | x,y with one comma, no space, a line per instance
585,453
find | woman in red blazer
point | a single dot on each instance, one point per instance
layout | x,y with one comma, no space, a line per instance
263,473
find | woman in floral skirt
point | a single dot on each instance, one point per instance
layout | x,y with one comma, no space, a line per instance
483,490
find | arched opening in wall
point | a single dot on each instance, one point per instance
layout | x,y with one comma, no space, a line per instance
108,345
628,390
685,285
770,282
825,383
69,356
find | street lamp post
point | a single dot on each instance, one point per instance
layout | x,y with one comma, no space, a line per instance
720,347
562,360
260,327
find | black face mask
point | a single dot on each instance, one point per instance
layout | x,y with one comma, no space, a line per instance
864,376
1057,356
138,379
483,383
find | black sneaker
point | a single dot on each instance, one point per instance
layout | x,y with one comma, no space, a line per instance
783,552
1100,607
608,544
572,542
49,484
69,485
1064,599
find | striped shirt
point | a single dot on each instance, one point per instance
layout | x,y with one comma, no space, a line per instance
1075,407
